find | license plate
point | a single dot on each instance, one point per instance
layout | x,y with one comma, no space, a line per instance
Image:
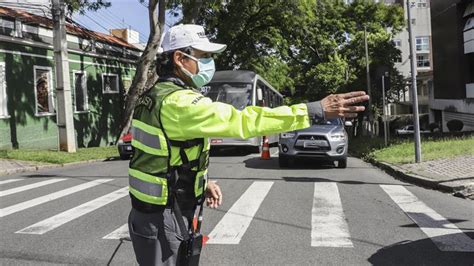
128,148
314,143
311,144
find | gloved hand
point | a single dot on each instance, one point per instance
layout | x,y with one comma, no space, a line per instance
338,105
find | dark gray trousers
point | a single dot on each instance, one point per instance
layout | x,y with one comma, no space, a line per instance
156,236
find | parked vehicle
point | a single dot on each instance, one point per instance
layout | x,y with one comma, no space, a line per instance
409,129
242,88
125,147
325,139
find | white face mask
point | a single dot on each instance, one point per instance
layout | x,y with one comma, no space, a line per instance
206,69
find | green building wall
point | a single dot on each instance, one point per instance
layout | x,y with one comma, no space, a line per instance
99,126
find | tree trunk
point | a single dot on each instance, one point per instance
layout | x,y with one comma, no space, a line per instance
142,80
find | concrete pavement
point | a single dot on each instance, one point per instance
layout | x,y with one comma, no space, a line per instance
8,166
454,175
310,214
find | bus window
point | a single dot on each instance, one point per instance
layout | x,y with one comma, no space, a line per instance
267,97
261,86
238,95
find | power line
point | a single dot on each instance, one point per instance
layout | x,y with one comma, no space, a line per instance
111,19
93,20
117,19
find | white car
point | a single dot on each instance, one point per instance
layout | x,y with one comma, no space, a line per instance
409,129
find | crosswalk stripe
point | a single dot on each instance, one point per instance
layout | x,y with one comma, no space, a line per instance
328,224
46,198
9,181
121,232
235,222
443,233
71,214
30,186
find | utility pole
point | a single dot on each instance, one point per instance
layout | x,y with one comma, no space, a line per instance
414,93
368,81
65,120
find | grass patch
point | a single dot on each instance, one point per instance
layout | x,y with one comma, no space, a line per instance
403,152
59,157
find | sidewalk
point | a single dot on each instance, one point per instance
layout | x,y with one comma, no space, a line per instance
8,167
454,175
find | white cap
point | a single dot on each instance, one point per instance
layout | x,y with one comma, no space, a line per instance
184,35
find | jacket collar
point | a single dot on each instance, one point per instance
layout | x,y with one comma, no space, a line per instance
177,81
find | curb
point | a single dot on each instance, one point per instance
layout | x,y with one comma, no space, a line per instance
45,166
400,174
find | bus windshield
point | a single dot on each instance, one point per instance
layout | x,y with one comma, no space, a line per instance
238,95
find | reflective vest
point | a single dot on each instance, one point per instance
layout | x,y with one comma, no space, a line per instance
156,156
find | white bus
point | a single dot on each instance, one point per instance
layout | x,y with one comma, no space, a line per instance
242,88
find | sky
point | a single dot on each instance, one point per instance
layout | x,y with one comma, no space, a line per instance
121,14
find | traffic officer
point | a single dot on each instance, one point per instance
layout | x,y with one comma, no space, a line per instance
171,126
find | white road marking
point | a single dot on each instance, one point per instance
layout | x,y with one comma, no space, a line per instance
443,233
328,224
119,233
9,181
71,214
46,198
235,222
30,186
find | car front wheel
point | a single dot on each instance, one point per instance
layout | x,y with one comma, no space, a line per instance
342,163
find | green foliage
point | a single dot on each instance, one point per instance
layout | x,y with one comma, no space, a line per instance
403,151
313,47
82,5
431,150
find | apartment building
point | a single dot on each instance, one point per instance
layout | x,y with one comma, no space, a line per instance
452,95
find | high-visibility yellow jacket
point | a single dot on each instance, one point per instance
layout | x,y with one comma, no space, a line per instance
171,127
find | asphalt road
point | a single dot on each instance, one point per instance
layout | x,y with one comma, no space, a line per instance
307,215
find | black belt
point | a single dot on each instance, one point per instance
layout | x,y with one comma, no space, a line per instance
146,207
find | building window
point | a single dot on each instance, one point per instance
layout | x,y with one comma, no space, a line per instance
30,31
423,60
7,26
422,44
80,91
43,90
110,83
422,3
398,59
3,92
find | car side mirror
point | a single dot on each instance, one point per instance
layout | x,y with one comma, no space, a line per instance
348,123
259,94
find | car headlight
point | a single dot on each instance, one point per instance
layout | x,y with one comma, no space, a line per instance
337,136
287,135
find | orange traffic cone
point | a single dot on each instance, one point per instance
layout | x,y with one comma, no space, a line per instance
265,149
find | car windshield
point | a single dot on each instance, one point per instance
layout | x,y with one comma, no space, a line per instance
327,122
236,94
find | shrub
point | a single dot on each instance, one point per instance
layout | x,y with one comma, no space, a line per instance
455,125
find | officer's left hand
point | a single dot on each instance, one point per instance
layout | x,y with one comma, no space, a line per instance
213,195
